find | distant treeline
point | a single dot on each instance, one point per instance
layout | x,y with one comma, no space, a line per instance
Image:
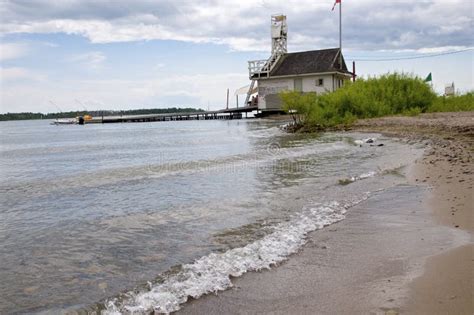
25,116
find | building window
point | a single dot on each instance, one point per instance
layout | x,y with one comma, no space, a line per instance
320,82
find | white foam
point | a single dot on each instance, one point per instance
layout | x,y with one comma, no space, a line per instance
362,176
212,273
367,175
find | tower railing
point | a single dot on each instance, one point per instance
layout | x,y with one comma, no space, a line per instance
262,68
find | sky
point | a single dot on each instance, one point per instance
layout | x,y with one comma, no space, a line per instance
114,54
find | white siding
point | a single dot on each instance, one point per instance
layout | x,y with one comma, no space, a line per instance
310,84
268,89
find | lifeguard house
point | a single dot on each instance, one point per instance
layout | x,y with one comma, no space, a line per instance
319,71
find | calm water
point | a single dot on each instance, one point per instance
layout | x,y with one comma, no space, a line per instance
89,213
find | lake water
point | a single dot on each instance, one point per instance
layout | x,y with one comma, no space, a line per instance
135,217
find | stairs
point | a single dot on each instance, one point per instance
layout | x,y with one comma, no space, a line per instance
249,93
260,69
268,67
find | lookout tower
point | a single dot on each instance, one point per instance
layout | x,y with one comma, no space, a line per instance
279,34
262,68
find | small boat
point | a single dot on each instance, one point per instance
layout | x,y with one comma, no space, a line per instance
64,121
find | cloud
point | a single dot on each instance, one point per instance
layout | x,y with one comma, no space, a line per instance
50,44
244,25
15,84
177,90
437,50
91,60
8,74
425,26
18,73
10,51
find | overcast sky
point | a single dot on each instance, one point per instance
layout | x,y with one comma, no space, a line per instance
117,54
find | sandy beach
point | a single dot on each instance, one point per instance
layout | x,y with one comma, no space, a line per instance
447,285
391,255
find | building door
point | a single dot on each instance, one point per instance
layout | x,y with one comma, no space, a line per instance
299,84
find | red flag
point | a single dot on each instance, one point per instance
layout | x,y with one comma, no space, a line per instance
337,1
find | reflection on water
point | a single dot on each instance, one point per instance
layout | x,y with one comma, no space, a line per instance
91,211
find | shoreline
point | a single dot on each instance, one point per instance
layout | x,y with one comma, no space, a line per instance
446,286
448,160
419,263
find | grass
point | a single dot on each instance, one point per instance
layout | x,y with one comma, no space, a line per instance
389,94
457,103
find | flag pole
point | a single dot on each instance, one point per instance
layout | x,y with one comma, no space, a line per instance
340,34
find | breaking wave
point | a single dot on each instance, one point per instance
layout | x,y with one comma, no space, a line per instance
212,273
352,179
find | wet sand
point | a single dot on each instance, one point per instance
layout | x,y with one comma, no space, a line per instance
447,285
410,255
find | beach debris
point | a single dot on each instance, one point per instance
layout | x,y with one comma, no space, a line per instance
285,126
346,181
289,127
360,142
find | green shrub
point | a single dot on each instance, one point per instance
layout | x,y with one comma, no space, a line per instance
415,111
389,94
457,103
297,104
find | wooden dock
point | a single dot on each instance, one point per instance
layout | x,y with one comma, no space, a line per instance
230,113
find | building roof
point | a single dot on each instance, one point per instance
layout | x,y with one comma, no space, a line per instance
307,62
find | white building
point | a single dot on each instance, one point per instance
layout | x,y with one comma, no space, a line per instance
310,71
319,71
449,89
